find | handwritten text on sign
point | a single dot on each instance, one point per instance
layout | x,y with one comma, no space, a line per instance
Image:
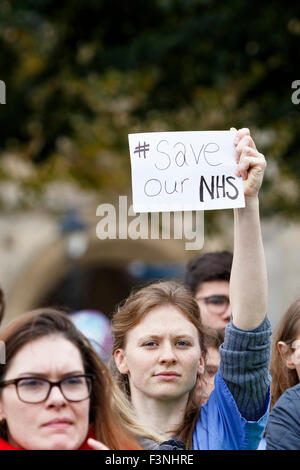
183,171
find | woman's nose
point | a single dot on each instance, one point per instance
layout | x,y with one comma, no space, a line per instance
56,397
167,355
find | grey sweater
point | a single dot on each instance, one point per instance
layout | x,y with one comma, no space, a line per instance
245,358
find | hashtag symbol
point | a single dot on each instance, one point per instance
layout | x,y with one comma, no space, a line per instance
142,149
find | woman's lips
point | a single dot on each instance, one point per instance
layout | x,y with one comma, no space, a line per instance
60,423
168,376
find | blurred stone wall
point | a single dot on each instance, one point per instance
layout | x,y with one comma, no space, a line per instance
33,254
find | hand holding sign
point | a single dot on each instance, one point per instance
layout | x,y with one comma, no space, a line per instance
251,163
184,171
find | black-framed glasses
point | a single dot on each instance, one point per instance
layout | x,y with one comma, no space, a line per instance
217,304
37,389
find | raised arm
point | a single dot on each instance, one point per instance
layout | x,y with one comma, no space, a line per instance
248,281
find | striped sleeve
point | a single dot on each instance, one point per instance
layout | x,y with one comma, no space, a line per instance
245,358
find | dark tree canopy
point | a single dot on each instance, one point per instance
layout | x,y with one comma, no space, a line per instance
82,75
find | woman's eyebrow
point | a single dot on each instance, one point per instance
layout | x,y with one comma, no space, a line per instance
43,375
149,337
31,374
184,335
157,337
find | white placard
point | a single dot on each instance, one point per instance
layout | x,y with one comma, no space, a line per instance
183,171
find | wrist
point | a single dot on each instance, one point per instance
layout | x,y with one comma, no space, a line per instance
251,200
251,204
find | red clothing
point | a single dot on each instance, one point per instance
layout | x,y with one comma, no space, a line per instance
4,445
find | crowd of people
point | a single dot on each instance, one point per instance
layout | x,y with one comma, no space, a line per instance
191,365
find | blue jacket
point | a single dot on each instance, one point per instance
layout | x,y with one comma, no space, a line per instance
236,413
221,425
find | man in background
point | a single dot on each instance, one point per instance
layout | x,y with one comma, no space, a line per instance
208,278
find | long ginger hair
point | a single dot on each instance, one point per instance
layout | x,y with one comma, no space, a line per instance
132,311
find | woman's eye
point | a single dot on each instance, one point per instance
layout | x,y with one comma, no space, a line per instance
31,383
74,381
211,371
182,343
150,344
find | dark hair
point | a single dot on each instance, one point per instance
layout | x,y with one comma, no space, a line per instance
287,330
2,304
130,313
211,266
215,337
48,322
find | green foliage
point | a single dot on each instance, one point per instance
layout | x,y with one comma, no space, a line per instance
82,75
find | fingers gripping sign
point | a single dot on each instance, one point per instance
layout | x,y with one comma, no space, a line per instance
251,163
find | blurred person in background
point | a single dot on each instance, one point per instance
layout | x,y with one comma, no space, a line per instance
96,327
208,278
206,381
285,358
282,431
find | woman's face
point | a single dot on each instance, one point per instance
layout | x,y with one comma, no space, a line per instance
291,354
162,355
55,423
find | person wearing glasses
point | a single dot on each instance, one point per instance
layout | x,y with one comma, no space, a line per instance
55,391
160,342
208,278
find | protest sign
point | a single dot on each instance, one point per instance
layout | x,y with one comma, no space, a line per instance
184,171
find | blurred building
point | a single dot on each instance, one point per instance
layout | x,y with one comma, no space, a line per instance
46,260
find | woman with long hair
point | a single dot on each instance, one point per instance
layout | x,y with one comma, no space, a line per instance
177,308
55,391
285,358
160,344
284,421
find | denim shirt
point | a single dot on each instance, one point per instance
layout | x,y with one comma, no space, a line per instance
221,425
